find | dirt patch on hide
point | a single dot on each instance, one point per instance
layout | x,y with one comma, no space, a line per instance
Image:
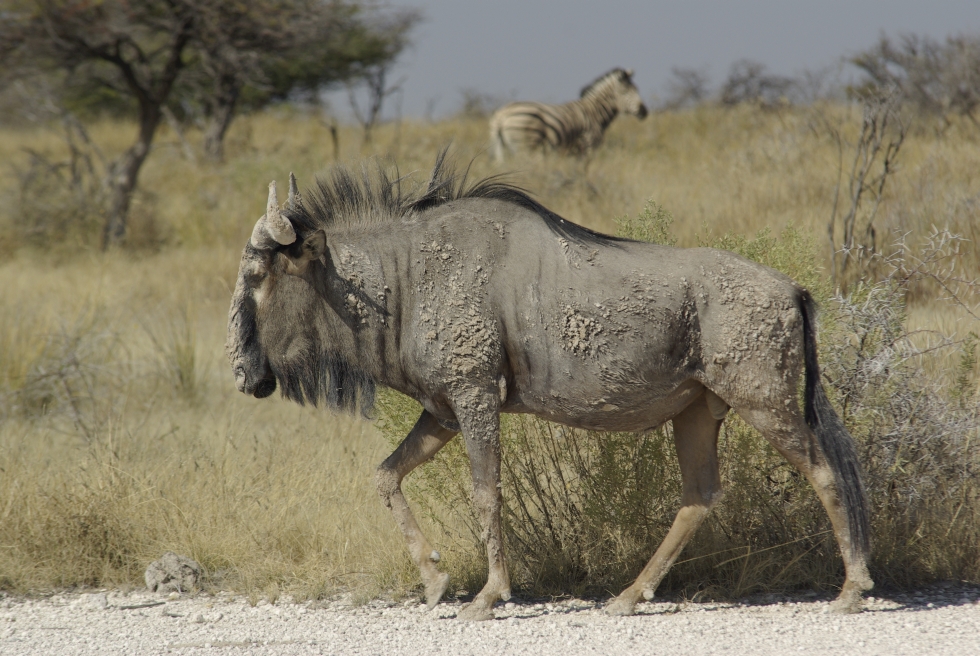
580,333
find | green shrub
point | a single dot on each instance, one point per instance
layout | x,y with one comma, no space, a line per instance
914,433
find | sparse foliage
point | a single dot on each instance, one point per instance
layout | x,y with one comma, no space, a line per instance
134,49
687,87
160,58
260,52
873,159
62,199
939,79
62,373
748,82
390,36
914,435
652,225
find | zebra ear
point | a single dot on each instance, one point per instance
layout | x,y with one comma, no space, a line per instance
629,72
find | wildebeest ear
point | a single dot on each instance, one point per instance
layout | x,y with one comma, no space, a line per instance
315,245
312,248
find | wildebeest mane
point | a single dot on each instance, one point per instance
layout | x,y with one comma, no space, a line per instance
374,195
319,376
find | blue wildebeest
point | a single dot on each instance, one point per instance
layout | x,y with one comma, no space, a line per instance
477,300
575,127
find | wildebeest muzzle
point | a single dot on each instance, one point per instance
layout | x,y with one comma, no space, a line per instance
257,386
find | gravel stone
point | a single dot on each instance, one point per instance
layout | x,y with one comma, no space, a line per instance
936,622
172,572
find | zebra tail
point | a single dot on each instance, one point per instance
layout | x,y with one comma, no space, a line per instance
835,441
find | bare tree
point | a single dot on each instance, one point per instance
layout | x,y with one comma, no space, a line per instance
873,159
939,79
134,47
267,50
375,82
687,87
748,82
389,36
166,59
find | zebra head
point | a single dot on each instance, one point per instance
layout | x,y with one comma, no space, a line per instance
616,88
628,96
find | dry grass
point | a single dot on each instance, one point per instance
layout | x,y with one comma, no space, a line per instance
121,433
122,436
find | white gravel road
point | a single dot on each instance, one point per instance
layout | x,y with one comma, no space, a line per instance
942,620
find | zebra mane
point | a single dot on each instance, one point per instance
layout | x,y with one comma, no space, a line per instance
376,195
618,74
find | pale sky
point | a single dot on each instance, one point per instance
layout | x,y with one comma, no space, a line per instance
539,50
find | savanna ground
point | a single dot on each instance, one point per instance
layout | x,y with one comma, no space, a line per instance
122,434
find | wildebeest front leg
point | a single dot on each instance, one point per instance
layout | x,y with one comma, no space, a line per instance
696,441
426,438
481,431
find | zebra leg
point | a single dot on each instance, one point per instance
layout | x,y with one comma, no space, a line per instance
425,439
497,142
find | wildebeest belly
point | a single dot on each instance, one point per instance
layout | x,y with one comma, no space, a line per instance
613,365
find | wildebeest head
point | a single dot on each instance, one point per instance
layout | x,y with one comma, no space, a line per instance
266,326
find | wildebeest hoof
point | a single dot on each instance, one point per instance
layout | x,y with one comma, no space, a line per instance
434,590
847,604
474,612
621,607
850,599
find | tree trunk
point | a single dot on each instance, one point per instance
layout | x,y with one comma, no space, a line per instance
222,113
121,179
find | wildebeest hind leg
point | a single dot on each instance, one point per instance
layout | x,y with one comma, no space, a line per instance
696,441
789,433
425,439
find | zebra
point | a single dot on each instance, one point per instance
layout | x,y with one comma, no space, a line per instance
575,127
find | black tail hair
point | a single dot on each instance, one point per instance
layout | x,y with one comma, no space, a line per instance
837,444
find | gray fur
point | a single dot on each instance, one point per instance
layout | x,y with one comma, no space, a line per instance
476,300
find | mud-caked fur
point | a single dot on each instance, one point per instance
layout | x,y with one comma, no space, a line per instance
476,300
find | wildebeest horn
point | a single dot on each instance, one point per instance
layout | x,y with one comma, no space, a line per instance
273,224
294,199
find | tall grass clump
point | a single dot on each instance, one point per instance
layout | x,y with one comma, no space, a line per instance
584,511
58,368
175,340
115,445
911,399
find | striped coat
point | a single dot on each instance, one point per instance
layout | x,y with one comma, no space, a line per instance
575,127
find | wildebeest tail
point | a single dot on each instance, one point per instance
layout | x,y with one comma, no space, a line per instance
837,444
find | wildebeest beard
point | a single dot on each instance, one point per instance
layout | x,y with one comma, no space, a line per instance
314,375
